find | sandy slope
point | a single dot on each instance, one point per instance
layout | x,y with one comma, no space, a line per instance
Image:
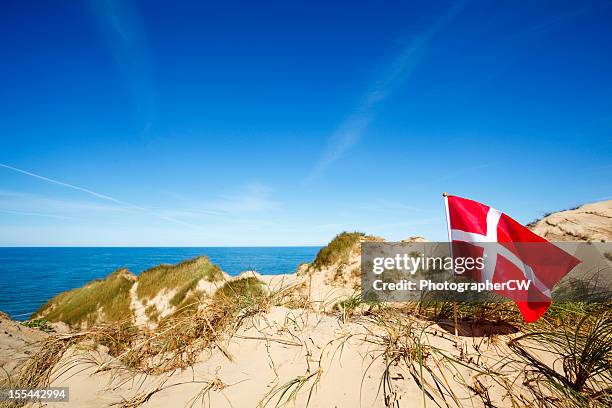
342,364
17,342
590,222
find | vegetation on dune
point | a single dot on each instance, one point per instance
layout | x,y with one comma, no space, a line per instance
348,306
240,293
190,304
40,324
103,300
338,250
578,336
182,277
36,371
580,372
152,313
180,295
178,339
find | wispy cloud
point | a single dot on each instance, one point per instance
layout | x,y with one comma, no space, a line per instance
247,201
61,183
101,196
350,131
17,201
251,198
123,30
37,214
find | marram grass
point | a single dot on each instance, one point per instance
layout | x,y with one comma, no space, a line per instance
338,250
102,300
181,277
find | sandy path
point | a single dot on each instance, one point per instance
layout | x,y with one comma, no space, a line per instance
141,318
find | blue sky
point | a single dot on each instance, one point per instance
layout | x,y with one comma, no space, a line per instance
284,123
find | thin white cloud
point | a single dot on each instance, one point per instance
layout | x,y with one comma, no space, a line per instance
101,196
251,199
37,214
237,208
21,201
352,128
61,183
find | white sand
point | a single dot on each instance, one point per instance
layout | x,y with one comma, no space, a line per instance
343,361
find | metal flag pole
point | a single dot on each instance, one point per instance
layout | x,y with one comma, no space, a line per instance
450,243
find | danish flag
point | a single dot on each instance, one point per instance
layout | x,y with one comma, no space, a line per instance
477,230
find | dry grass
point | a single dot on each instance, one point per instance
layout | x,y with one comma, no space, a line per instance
43,366
178,339
400,340
105,300
581,370
191,303
36,371
288,392
152,313
403,348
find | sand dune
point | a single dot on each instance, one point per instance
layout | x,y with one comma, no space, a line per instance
303,339
589,222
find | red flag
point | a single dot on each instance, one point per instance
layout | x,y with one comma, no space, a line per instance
477,230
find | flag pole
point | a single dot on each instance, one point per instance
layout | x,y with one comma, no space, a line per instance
450,243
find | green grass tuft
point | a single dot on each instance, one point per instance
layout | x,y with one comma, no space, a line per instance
241,293
40,324
338,250
581,373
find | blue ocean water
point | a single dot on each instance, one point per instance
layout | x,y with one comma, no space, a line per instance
31,276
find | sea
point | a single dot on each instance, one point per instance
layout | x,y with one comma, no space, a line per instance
29,277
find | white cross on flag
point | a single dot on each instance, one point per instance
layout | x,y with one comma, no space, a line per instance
478,230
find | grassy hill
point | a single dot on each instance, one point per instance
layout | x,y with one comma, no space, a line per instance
109,300
182,278
102,300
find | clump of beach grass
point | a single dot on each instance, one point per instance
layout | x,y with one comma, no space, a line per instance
338,250
103,300
40,324
152,313
347,307
191,303
293,296
502,312
288,392
401,342
243,293
397,344
182,277
580,373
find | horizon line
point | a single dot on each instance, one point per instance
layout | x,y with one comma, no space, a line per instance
158,246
